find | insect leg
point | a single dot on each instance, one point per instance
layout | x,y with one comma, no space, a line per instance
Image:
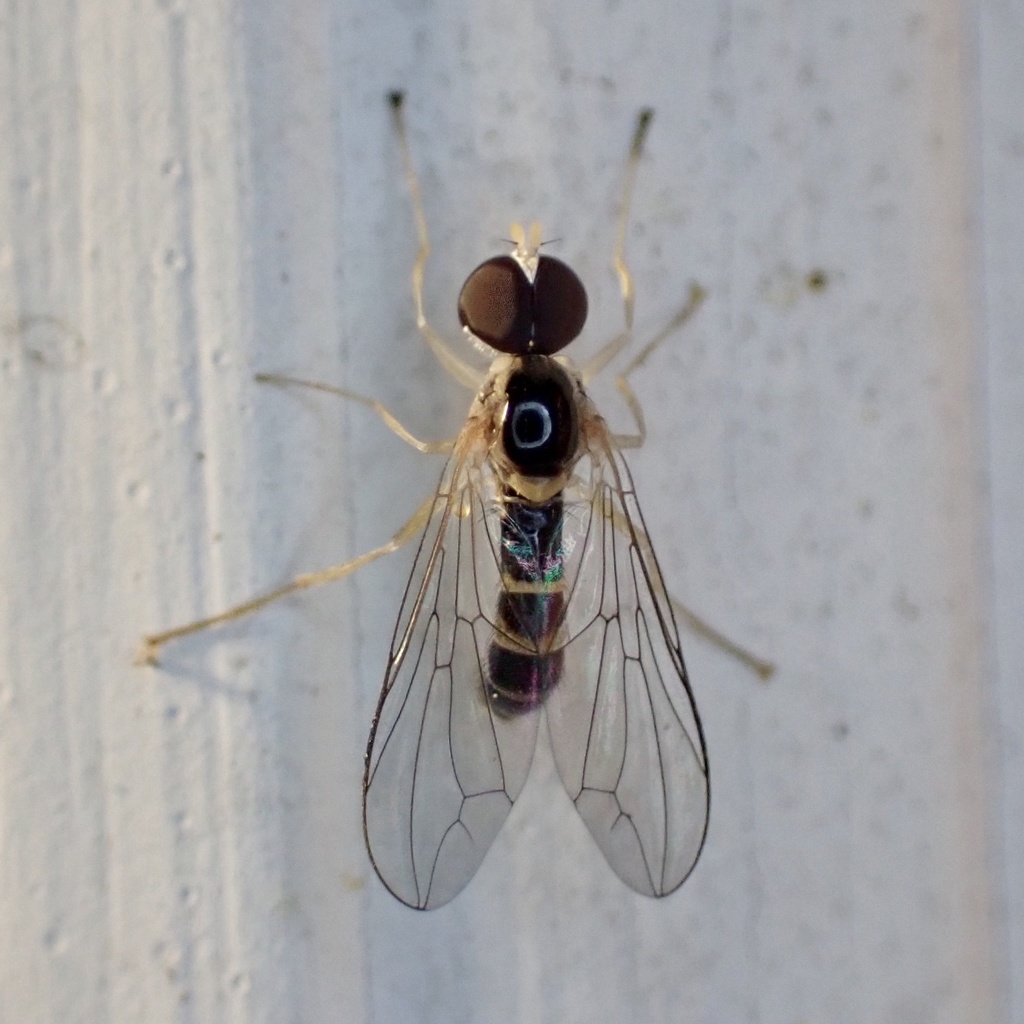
606,354
428,447
150,647
465,374
636,149
764,669
696,297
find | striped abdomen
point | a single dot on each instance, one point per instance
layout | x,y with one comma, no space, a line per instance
523,667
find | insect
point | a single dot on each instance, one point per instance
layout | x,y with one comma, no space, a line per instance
534,592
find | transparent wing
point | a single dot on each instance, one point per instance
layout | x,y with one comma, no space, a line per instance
624,728
442,769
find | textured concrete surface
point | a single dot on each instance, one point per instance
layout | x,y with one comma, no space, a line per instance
191,192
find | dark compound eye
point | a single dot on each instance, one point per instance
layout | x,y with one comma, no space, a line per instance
501,307
496,304
559,306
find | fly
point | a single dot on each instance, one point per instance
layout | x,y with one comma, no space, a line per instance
535,592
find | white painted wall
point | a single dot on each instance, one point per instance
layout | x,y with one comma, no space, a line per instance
193,191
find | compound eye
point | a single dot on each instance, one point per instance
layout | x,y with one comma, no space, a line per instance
496,305
559,306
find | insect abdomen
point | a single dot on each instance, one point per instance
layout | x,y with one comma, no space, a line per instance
524,663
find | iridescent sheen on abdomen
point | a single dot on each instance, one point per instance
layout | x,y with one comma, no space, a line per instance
524,663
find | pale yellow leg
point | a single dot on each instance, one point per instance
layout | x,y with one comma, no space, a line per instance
150,648
465,374
693,302
606,354
622,340
428,447
764,669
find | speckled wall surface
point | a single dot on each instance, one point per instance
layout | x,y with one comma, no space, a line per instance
191,192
